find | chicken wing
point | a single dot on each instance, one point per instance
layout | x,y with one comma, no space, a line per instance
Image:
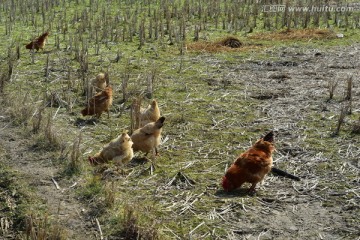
100,103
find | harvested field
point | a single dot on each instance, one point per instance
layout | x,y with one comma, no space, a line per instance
240,79
213,117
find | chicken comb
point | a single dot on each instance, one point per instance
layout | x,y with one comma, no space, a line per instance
269,137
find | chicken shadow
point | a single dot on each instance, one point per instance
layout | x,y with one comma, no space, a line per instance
44,52
136,161
47,51
241,192
79,122
143,161
182,181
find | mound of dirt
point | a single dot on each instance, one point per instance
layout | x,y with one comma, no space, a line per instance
227,44
231,42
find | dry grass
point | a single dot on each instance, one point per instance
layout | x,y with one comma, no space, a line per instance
4,77
37,120
296,34
340,121
109,192
348,91
21,110
228,44
135,113
132,229
75,164
332,84
39,228
51,136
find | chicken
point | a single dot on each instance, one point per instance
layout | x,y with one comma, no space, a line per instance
150,114
251,166
38,43
98,84
119,150
147,138
100,103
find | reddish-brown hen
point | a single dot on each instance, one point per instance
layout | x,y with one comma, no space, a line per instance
38,43
98,84
251,166
100,103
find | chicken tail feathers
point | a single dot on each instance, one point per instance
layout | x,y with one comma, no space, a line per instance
160,122
269,137
30,46
284,174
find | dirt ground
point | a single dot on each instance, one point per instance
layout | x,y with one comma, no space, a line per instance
36,168
289,91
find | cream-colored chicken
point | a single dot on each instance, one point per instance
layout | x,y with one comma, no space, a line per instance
150,114
119,150
147,138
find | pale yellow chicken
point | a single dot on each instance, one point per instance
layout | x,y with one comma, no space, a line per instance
150,114
119,150
147,138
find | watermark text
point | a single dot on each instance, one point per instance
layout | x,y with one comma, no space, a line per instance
351,7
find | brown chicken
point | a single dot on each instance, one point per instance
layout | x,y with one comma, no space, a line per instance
98,84
38,43
100,103
251,166
147,138
150,114
118,150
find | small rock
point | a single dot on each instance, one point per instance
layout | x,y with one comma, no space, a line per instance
293,228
